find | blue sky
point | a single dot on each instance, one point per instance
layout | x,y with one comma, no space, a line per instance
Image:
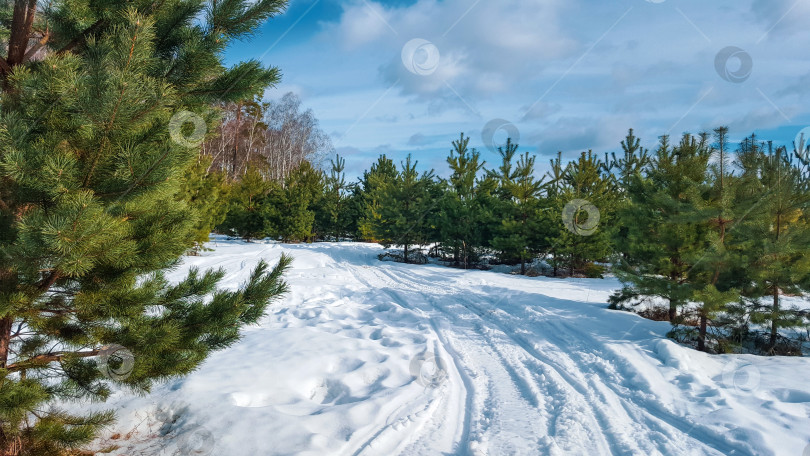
407,76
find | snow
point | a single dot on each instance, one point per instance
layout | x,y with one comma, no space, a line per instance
379,358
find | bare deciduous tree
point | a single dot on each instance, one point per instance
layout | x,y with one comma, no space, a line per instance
277,136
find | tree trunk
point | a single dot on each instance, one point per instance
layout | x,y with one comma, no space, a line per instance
702,333
406,253
673,307
775,315
24,11
236,141
522,266
5,339
464,252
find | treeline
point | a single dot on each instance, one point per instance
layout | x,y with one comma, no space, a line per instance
717,236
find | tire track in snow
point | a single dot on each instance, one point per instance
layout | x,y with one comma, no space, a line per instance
579,408
626,422
656,415
358,274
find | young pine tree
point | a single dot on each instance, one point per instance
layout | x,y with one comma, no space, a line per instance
633,160
88,210
405,207
583,208
716,274
664,226
289,210
503,205
776,234
207,193
466,208
549,213
518,233
248,197
368,195
628,166
333,214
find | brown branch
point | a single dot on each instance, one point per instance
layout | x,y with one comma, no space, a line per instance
49,281
36,47
82,37
41,360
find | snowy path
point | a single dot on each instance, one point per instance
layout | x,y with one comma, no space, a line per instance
526,366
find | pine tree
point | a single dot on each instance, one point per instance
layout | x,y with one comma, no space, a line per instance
90,215
583,207
506,173
715,276
288,211
369,193
246,214
664,225
550,212
633,161
334,214
467,206
207,194
776,234
405,207
503,205
519,226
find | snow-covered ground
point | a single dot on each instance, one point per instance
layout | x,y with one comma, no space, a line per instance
378,358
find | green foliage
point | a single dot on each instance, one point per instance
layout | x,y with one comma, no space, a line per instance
466,207
288,211
245,216
369,193
632,163
405,206
719,240
335,217
517,237
207,194
94,206
775,234
582,205
662,220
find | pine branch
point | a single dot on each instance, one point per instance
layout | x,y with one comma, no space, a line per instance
82,37
41,360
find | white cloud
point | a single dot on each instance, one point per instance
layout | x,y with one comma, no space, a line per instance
571,74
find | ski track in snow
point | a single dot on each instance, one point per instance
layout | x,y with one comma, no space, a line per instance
532,368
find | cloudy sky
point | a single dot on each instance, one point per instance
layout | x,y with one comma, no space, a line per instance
407,76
